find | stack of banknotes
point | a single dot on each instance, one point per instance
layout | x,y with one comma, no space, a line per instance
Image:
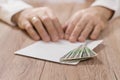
79,54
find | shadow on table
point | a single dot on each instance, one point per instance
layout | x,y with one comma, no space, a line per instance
111,27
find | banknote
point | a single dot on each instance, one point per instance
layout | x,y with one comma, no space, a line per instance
81,53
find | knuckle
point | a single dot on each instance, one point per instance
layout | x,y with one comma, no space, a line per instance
46,18
79,25
72,23
90,16
87,16
35,21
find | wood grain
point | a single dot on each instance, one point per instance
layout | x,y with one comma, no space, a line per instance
106,66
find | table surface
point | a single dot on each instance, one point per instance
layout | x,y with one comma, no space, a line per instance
106,66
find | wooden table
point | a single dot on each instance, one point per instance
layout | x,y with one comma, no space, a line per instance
106,66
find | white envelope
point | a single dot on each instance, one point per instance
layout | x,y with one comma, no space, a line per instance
53,51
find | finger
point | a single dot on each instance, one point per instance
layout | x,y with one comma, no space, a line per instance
57,24
40,29
50,28
78,29
30,30
85,33
96,32
59,28
22,23
65,26
71,25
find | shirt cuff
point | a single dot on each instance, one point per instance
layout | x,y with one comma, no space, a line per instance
10,8
110,4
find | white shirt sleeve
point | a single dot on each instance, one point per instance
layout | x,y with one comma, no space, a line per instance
9,7
111,4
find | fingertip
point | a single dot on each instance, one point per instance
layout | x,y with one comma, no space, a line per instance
36,38
46,39
72,39
81,39
66,36
62,36
93,37
55,39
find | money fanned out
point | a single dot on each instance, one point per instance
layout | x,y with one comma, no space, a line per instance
78,54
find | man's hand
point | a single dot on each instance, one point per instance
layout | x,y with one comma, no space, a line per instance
40,23
87,23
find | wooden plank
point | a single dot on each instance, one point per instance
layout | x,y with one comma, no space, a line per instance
14,67
95,69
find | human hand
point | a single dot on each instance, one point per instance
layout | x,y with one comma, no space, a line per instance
40,23
87,23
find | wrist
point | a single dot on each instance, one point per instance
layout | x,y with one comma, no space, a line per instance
104,12
15,17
